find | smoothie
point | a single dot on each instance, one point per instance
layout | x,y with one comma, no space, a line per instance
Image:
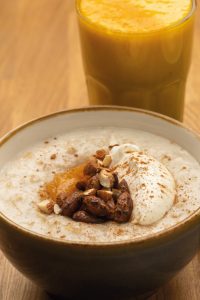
137,53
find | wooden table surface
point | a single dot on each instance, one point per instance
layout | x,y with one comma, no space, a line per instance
40,73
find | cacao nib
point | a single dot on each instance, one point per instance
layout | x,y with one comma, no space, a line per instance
81,185
124,208
123,186
116,181
93,183
83,216
96,206
91,168
71,204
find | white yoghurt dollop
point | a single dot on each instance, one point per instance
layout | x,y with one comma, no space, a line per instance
152,186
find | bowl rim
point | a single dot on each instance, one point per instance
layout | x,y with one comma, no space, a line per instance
176,229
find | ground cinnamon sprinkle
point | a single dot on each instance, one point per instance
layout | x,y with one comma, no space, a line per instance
161,185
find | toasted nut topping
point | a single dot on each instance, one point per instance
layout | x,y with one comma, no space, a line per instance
61,198
83,216
46,206
93,183
90,192
124,208
100,163
107,161
95,206
106,179
91,168
123,186
110,205
106,189
100,154
57,209
98,197
116,181
105,195
116,193
81,185
71,204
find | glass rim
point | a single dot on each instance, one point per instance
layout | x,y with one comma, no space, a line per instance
167,28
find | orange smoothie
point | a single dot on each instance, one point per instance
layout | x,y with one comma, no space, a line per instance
137,52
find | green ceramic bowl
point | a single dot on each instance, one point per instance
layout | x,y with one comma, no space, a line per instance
119,270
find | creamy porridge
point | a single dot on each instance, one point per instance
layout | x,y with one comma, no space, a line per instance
163,178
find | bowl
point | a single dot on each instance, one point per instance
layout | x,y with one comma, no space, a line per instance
118,270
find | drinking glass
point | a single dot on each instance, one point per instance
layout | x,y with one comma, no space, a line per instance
146,70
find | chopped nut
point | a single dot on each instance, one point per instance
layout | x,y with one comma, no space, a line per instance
123,186
83,216
46,206
106,179
57,209
116,181
110,205
53,156
100,154
106,189
91,168
81,185
90,192
95,206
59,202
100,163
116,193
61,198
93,183
107,161
124,208
105,195
70,204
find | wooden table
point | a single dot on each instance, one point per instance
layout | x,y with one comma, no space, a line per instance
41,72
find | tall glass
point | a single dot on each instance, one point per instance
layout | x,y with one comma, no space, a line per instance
145,70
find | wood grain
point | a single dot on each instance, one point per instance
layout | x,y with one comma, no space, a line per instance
41,72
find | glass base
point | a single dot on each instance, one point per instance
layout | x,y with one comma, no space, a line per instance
167,99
